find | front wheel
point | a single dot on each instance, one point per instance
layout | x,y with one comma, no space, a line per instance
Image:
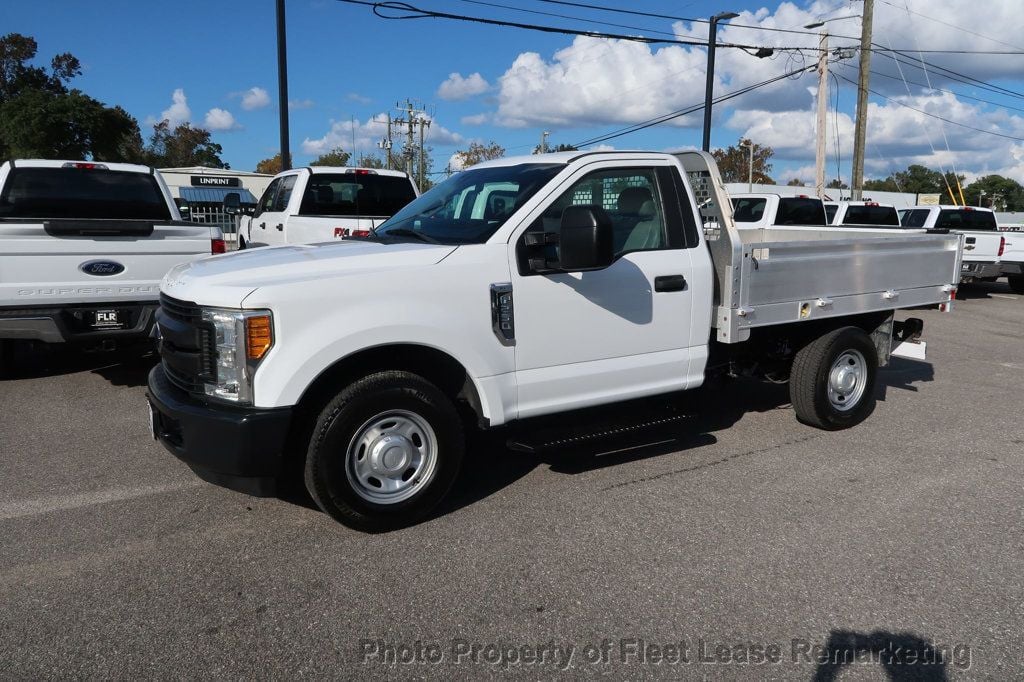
832,383
1016,283
384,451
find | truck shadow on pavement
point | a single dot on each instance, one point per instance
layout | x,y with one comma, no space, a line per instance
902,656
976,290
124,366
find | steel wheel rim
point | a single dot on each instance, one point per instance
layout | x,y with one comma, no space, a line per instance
847,380
391,457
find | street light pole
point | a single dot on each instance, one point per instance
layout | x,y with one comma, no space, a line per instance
282,87
709,91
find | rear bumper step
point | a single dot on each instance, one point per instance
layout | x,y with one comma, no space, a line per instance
60,324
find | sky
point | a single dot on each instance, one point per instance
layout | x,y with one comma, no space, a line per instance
213,64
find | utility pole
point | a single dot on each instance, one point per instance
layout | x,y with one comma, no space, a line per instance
412,119
544,141
282,87
424,123
860,133
819,150
750,166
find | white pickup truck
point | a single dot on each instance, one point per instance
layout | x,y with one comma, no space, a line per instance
983,243
323,203
862,213
83,247
361,360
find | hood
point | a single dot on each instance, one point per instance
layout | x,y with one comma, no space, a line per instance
225,280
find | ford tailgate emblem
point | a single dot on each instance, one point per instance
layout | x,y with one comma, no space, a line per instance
101,268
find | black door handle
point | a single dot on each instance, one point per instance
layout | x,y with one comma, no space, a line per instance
263,226
280,227
670,283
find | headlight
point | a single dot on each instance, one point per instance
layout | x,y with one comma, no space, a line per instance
241,340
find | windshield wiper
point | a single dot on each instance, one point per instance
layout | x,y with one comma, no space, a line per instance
405,232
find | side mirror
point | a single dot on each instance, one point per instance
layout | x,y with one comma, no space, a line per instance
586,239
232,203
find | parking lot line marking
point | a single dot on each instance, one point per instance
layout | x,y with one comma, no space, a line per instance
46,505
1012,298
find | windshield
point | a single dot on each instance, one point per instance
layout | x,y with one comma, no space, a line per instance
747,210
470,206
32,192
914,217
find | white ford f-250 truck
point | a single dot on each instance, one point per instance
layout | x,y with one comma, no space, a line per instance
609,276
983,243
83,247
323,203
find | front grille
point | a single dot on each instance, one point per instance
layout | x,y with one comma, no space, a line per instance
187,349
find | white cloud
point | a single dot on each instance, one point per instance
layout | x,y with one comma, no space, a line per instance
300,104
178,112
475,119
359,99
367,133
457,87
219,120
255,98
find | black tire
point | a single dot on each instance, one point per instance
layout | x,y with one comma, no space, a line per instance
1016,283
330,472
810,379
241,242
6,358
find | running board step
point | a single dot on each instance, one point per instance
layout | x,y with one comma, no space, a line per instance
550,439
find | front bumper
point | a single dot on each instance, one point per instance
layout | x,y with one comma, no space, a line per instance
970,270
241,448
60,324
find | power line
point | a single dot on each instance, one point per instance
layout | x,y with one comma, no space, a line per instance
950,92
936,116
687,110
922,65
563,16
956,26
692,20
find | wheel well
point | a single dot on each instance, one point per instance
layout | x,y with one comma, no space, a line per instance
434,365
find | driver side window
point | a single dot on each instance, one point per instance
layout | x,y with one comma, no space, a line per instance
631,199
267,200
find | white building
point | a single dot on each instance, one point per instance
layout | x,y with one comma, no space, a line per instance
200,191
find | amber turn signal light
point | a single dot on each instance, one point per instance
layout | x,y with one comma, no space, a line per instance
259,336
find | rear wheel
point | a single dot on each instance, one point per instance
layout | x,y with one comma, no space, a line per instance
384,451
832,384
1016,283
241,242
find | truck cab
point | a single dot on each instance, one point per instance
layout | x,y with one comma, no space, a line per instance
323,203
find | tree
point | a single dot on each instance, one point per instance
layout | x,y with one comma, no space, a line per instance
271,166
41,117
734,162
370,161
837,184
560,147
479,152
795,182
335,157
886,185
1000,193
183,147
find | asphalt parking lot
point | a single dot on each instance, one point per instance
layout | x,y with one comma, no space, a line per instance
736,534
